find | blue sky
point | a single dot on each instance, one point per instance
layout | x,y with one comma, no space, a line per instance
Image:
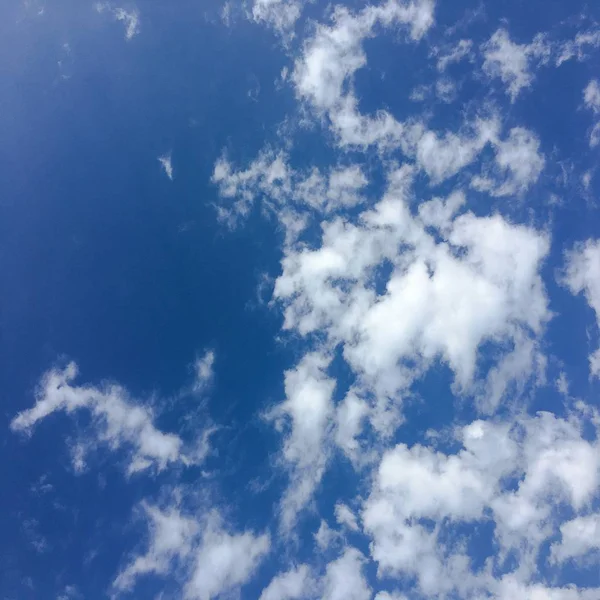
301,301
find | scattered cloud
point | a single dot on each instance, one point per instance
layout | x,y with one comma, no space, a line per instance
549,459
214,560
306,414
463,49
295,584
582,275
130,18
281,15
204,370
167,165
513,63
578,537
518,165
117,421
591,98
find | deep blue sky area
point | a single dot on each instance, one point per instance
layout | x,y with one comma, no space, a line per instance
271,403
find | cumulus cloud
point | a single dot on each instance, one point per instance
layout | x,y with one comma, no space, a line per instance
328,289
215,561
578,537
130,18
582,276
224,562
295,584
306,415
323,74
117,420
513,63
344,578
549,459
518,165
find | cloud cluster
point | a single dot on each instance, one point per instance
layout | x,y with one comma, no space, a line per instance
214,561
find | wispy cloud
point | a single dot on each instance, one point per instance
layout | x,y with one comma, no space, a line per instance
129,17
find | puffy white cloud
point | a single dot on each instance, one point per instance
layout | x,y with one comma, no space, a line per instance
171,536
130,18
224,562
518,165
481,284
349,420
323,74
214,561
442,157
167,164
578,537
513,63
344,578
420,495
117,420
295,584
345,517
307,412
325,537
582,275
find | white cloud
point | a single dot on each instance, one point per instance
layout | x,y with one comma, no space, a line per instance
224,562
286,191
172,536
582,275
295,584
513,63
578,537
591,95
279,14
518,165
444,156
344,579
591,98
488,291
117,420
349,420
204,370
550,462
167,165
214,561
460,51
325,537
130,18
323,74
307,412
578,47
345,517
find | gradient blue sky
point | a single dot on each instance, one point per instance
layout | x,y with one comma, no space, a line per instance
300,301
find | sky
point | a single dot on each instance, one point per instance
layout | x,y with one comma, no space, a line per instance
300,301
